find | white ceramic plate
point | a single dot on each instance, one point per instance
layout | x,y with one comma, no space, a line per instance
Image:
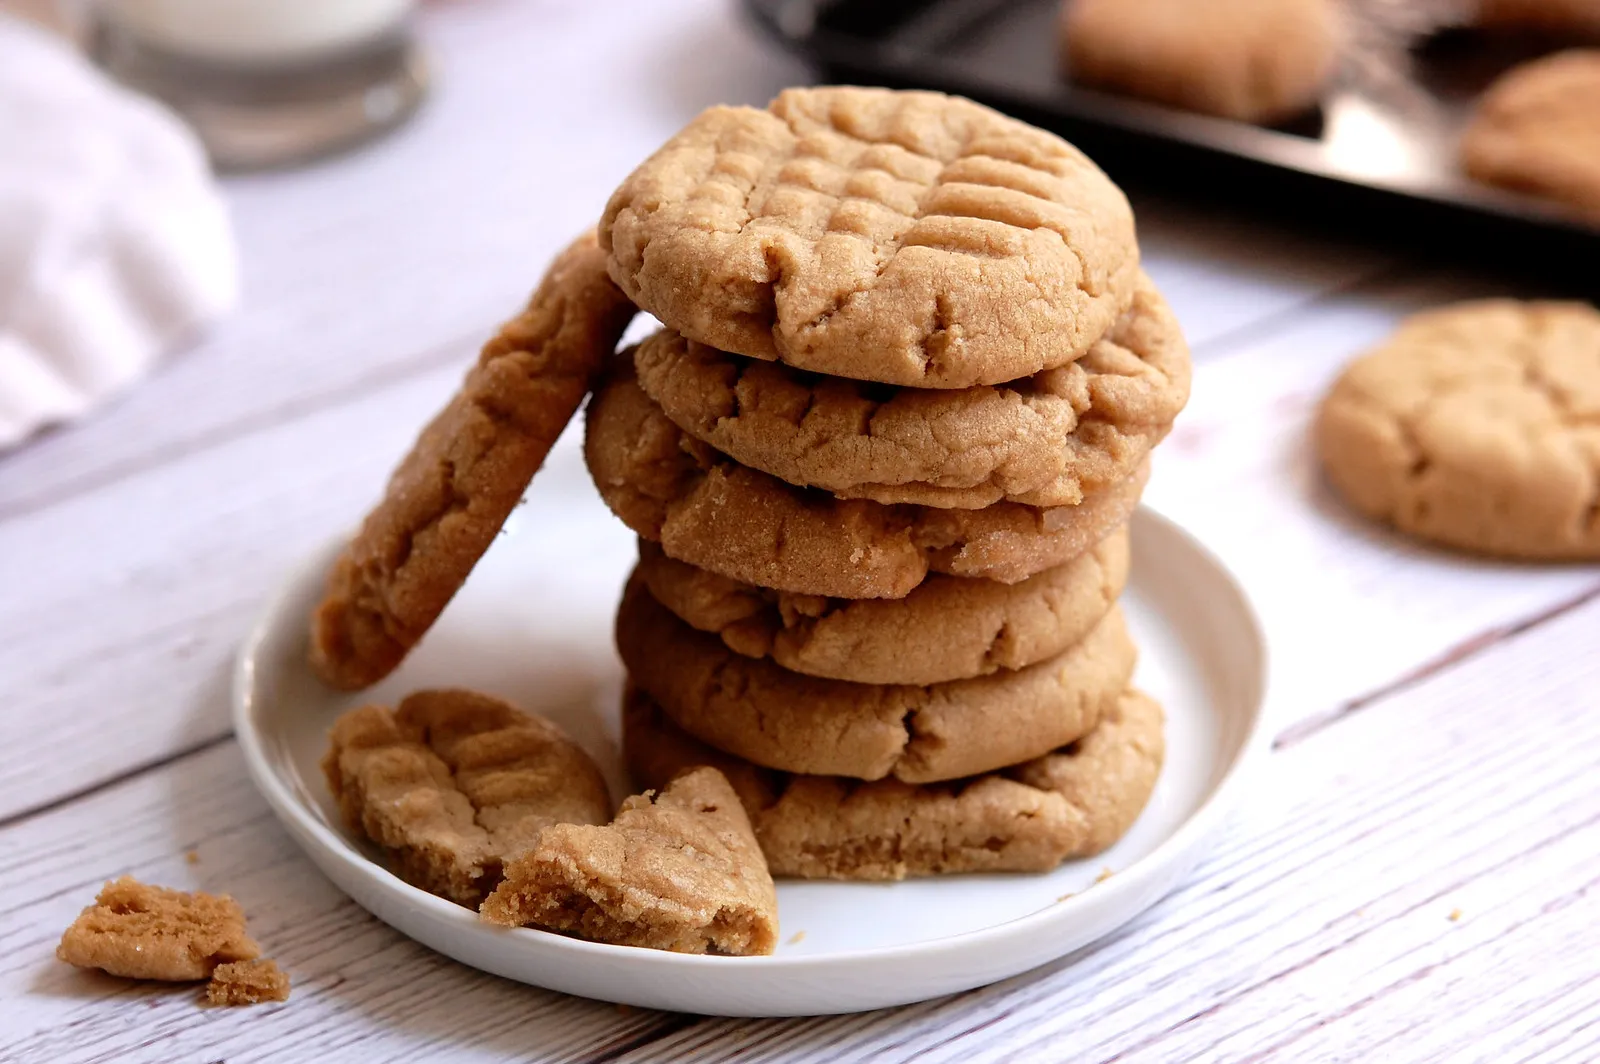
533,624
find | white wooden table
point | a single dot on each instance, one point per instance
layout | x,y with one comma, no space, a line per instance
1413,876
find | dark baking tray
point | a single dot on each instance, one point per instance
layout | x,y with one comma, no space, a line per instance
1379,152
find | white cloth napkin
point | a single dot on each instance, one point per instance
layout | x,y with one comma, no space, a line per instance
115,245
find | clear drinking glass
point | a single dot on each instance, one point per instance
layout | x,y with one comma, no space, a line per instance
268,82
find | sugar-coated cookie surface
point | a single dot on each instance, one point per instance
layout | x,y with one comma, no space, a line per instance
449,497
1251,60
765,714
1537,130
905,237
947,628
247,983
1476,426
679,870
1072,803
1045,440
143,932
452,783
711,512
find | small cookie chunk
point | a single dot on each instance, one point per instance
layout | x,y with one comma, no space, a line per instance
1074,802
453,783
779,719
1537,130
142,932
1476,426
1046,440
1250,60
717,515
680,870
948,628
447,500
904,237
1577,18
247,983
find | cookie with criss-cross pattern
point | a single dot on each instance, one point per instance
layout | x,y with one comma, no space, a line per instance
447,500
1476,426
1073,802
717,515
779,719
1045,440
904,237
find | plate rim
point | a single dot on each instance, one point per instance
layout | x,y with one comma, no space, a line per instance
305,827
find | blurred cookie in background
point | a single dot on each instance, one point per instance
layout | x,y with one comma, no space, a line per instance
1577,18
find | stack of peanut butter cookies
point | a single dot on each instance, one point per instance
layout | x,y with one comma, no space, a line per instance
880,458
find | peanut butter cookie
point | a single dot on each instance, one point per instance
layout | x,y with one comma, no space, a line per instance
1074,802
904,237
1537,130
1046,440
453,783
142,932
680,870
717,515
447,500
785,720
948,628
1476,426
1250,60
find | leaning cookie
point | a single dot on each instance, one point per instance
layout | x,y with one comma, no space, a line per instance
947,628
1476,426
679,870
1072,803
1045,440
905,237
448,499
717,515
780,719
1250,60
1537,130
453,783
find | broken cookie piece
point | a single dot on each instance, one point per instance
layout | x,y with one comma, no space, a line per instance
142,932
247,983
453,783
678,871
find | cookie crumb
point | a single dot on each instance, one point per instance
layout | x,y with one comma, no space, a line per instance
251,982
797,938
139,931
1105,874
1455,916
1067,896
191,857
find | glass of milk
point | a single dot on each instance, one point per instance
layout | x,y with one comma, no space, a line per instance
268,82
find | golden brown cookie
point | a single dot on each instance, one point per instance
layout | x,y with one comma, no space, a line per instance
905,237
247,983
1250,60
1537,130
948,628
1074,802
1476,426
1575,18
785,720
447,500
142,932
453,783
717,515
680,870
1046,440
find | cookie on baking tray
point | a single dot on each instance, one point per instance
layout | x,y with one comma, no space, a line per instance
1476,426
679,870
449,497
1074,802
1250,60
1045,440
947,628
711,512
904,237
452,783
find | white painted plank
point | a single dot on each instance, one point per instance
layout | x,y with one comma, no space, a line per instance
402,256
1320,929
360,991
